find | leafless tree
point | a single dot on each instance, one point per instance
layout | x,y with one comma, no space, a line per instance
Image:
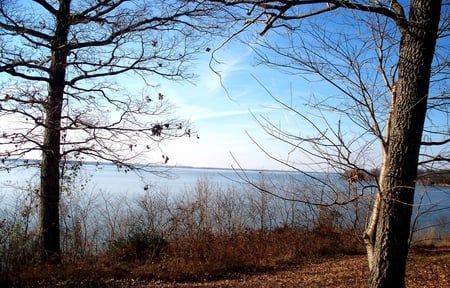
66,66
388,62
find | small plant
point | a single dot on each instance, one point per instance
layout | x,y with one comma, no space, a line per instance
18,246
138,245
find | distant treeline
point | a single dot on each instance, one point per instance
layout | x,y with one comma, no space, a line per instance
437,177
424,177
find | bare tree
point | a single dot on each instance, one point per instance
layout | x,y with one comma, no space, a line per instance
64,67
403,45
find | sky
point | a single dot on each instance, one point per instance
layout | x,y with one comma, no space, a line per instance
224,113
223,109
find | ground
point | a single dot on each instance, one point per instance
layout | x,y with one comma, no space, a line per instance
428,268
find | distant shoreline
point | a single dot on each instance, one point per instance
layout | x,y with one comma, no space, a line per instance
97,163
439,178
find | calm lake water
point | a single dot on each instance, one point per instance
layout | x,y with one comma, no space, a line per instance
117,182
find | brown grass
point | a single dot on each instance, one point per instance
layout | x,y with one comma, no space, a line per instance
285,257
426,268
344,271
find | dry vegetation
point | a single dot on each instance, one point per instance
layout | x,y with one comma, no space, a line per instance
206,257
282,258
208,237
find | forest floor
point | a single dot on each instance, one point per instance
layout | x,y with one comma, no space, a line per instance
428,268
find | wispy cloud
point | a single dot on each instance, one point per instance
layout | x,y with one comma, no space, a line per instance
229,113
223,65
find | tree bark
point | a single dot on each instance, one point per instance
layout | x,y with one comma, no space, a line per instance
50,173
407,116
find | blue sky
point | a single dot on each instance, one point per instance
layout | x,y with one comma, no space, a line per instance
222,114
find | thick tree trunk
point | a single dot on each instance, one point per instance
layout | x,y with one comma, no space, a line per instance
50,170
406,120
49,222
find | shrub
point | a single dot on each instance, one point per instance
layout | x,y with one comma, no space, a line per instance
138,245
18,246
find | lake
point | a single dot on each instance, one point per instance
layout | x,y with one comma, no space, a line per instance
122,183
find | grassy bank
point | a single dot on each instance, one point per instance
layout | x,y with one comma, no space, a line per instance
206,257
208,233
251,260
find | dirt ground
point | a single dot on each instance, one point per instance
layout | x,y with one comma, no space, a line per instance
429,269
426,269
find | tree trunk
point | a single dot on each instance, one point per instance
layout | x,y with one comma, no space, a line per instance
50,173
406,121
